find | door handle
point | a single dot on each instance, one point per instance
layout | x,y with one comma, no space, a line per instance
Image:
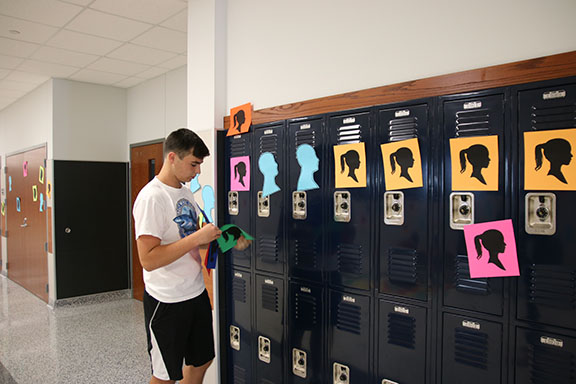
24,224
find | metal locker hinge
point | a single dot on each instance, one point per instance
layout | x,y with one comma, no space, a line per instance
299,363
235,337
263,205
299,211
341,374
233,203
342,206
461,209
394,208
540,213
264,349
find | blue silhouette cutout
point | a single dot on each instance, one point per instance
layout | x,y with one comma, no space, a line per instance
195,184
208,198
306,156
269,168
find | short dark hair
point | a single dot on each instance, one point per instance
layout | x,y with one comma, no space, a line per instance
183,142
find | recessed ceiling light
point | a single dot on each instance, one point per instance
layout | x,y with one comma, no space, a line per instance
14,31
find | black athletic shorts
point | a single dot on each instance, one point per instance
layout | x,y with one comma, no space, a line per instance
178,333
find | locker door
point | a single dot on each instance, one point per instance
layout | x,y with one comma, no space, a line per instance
350,209
472,351
239,326
269,337
404,214
546,286
239,203
269,211
304,230
468,117
402,343
349,335
305,333
544,357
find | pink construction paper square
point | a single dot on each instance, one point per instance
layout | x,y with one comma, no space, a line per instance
491,249
240,173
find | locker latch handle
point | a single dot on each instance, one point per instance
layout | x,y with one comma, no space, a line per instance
540,214
342,206
263,205
233,200
461,209
299,363
341,374
299,205
394,208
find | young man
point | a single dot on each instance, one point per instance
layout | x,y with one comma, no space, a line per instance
176,306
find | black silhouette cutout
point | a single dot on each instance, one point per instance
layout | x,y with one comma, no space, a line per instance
558,153
239,118
235,232
405,160
477,155
352,159
493,241
240,170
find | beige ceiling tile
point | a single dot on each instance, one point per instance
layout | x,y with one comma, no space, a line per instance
27,31
83,43
116,28
178,22
140,54
174,63
50,12
129,82
79,2
27,77
48,69
11,93
63,56
97,77
16,85
163,38
152,72
10,62
150,11
16,48
4,72
118,66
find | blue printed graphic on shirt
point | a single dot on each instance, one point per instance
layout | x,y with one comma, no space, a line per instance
187,218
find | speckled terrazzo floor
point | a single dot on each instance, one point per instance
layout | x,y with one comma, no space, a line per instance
89,343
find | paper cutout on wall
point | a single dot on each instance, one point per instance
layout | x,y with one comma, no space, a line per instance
240,173
9,183
240,119
41,202
309,164
549,160
208,199
18,207
269,168
491,249
25,168
195,183
41,175
3,208
34,193
475,163
49,190
404,155
230,235
350,165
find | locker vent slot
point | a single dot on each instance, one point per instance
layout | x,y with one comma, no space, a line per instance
402,129
239,290
553,286
472,123
401,330
463,281
553,117
349,134
305,310
270,297
269,143
305,254
550,365
239,375
349,318
402,265
306,136
268,249
471,348
349,258
239,147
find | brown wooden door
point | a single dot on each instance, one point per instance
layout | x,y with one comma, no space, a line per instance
145,162
27,255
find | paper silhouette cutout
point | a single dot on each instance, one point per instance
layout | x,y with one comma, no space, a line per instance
404,155
3,208
240,173
240,119
350,165
195,183
491,249
230,235
41,175
34,193
549,160
25,168
18,206
10,183
475,163
309,162
41,202
208,199
269,168
49,190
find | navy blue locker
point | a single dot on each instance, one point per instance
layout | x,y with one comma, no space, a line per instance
471,351
306,333
269,329
481,114
544,357
304,217
404,215
349,336
239,326
349,257
402,331
546,225
239,203
269,210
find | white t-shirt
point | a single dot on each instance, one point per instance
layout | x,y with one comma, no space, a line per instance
155,209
